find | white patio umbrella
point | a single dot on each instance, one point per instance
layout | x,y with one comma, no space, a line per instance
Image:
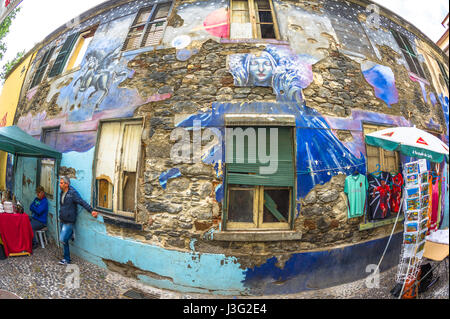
410,141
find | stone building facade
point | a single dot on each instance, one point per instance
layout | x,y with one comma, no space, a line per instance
139,97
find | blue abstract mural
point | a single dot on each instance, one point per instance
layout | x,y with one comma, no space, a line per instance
382,79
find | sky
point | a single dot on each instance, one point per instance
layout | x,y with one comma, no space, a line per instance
39,18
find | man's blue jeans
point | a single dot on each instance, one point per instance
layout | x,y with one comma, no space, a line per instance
64,237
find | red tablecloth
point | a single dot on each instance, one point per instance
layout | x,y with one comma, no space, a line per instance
16,233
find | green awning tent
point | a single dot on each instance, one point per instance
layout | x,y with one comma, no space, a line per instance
15,141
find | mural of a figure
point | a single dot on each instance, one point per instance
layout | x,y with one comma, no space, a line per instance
274,67
320,154
97,72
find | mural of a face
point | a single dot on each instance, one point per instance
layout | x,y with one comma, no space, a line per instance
261,71
277,67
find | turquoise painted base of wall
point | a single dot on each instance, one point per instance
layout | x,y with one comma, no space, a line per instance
193,272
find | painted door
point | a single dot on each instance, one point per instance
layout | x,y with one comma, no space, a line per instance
48,176
25,181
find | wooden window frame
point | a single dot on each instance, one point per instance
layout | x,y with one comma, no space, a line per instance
409,54
63,55
42,68
46,130
258,210
148,24
118,172
253,20
79,44
382,152
258,199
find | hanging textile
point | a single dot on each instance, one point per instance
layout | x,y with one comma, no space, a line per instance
396,193
356,187
445,198
434,205
379,195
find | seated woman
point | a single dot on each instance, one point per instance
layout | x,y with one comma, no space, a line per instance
39,210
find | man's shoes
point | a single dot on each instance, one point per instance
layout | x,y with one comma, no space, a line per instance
63,262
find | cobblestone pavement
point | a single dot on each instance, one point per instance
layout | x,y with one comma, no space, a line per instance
41,277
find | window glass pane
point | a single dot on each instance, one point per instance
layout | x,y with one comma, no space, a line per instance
47,166
143,16
154,34
134,37
128,191
262,5
408,46
265,16
240,205
267,31
276,205
240,5
418,67
161,11
130,145
105,193
411,64
107,150
240,12
82,51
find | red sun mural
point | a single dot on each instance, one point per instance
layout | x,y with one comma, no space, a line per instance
216,23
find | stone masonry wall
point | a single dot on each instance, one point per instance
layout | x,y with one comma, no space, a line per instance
187,208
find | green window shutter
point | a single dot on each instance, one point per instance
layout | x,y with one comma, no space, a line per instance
63,55
42,67
444,73
249,173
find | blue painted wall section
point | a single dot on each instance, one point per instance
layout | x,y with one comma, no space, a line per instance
322,269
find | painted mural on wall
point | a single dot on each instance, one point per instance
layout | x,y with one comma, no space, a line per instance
95,87
98,72
281,69
94,92
382,79
445,108
277,67
202,20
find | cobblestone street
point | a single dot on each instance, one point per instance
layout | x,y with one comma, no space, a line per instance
41,277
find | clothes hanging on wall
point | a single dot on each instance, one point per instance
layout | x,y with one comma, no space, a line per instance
434,205
396,192
379,195
445,198
356,187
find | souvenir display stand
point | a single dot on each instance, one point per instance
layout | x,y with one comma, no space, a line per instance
415,205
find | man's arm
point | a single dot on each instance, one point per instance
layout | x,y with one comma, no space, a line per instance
41,208
77,199
84,204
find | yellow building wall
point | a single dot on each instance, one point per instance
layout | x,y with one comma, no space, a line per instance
9,99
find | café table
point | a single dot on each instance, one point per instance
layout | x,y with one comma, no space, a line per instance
16,234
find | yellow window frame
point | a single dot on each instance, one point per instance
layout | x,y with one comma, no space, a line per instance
254,20
383,155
